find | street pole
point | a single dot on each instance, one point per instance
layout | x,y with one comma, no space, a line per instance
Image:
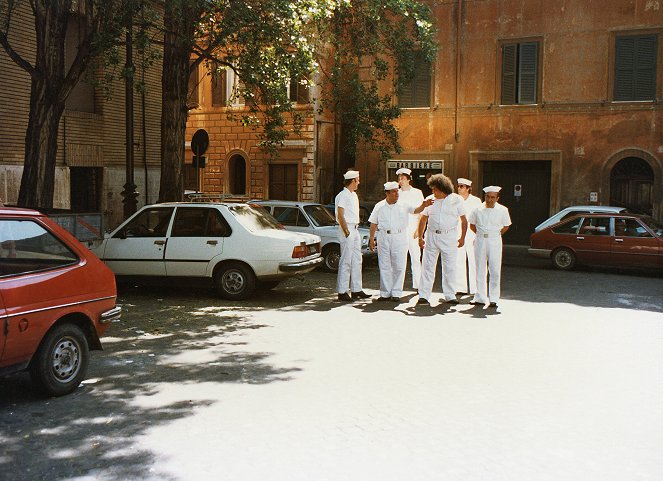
129,193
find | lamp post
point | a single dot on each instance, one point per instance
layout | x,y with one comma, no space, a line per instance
129,193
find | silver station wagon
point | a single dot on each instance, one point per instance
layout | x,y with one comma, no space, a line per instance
237,247
314,218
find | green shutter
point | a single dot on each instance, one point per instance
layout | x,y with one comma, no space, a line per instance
417,92
645,67
528,66
635,67
509,55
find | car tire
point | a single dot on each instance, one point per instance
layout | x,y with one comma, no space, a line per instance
235,281
268,285
563,259
60,363
331,255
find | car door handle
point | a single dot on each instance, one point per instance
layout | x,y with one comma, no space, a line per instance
212,242
619,240
580,238
159,242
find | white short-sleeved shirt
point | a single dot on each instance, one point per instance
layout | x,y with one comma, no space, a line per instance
391,216
444,213
350,203
490,221
413,197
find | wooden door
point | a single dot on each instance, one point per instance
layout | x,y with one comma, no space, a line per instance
525,191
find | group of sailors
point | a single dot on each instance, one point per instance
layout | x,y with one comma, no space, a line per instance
454,226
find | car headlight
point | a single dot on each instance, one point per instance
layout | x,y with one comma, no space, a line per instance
364,241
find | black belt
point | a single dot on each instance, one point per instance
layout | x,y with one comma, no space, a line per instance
391,231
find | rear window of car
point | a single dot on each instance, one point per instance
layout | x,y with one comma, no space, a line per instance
253,218
653,225
568,227
290,216
26,246
320,216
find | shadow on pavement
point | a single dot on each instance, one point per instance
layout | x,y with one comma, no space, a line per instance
94,437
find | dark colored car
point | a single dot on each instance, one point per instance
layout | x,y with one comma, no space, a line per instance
618,240
56,301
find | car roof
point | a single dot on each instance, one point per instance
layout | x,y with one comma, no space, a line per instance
19,211
594,208
606,214
293,203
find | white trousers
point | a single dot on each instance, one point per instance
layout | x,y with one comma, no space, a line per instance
349,265
392,259
488,252
436,245
415,258
466,267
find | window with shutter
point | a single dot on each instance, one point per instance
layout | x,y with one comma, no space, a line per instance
635,67
417,92
520,73
219,89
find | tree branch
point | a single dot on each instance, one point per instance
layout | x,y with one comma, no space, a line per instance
15,56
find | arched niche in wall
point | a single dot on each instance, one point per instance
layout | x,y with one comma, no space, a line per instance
237,174
632,177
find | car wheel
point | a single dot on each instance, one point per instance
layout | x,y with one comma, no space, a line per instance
331,256
60,363
268,285
235,281
563,259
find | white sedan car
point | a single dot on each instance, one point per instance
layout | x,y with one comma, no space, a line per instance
238,247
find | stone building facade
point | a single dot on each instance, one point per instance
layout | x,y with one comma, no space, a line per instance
236,166
560,102
90,163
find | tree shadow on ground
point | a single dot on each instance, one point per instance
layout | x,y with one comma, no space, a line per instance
90,433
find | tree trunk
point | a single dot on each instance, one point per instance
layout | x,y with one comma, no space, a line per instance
41,145
175,83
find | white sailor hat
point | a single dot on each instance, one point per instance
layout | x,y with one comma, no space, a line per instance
492,188
390,185
464,181
404,170
351,174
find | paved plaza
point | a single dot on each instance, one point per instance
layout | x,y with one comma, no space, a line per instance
563,382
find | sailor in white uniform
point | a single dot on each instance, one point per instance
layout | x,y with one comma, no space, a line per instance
466,278
443,238
390,220
489,222
412,196
347,216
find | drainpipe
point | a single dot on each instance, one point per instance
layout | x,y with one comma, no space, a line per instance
458,21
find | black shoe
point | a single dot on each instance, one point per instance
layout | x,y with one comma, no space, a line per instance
345,297
396,299
422,301
360,295
382,299
492,304
452,301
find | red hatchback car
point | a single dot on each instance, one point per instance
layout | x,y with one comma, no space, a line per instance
619,240
56,300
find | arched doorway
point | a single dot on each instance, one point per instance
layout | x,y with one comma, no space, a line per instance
237,175
631,185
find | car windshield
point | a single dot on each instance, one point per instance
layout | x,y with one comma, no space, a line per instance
254,218
319,215
653,225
